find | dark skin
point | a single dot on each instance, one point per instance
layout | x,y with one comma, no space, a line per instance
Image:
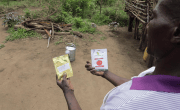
68,89
163,39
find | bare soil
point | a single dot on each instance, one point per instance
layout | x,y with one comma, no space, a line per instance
27,73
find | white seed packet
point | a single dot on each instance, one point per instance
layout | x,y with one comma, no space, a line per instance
99,59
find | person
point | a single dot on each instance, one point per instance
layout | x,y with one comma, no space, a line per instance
157,88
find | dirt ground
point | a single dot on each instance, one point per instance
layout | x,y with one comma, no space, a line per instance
27,73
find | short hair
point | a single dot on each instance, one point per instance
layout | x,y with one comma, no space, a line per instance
171,8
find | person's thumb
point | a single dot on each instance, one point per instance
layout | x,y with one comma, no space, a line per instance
64,76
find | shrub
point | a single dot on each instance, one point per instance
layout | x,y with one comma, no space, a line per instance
63,17
82,26
77,7
101,19
27,13
78,22
87,28
10,19
120,16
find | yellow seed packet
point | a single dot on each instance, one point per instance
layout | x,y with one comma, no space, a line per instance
62,65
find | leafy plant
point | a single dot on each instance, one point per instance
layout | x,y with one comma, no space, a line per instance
10,19
120,16
34,14
77,7
27,13
101,19
78,22
82,26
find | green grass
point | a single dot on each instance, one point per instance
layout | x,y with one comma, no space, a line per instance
1,46
70,14
103,38
20,34
98,32
59,41
4,41
76,44
20,3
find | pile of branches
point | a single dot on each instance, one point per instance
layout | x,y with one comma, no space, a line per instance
48,28
43,26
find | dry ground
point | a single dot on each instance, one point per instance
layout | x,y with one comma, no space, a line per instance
27,73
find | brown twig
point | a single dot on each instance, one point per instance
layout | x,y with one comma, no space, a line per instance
60,29
50,14
47,33
52,31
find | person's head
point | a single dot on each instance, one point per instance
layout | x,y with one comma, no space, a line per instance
164,29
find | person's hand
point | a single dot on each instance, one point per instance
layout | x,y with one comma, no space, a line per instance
64,84
89,67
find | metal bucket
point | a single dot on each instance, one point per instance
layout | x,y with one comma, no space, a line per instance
71,50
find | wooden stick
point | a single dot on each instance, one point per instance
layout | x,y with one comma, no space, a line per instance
47,33
55,33
52,31
143,14
50,14
131,5
139,18
139,4
49,39
147,12
60,29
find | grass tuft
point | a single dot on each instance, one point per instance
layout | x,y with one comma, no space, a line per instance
1,46
20,34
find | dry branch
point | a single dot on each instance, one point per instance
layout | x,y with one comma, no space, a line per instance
60,28
52,31
55,33
77,33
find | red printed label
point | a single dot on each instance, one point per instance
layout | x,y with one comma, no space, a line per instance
100,66
97,58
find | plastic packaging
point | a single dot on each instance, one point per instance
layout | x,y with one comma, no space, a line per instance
99,59
63,65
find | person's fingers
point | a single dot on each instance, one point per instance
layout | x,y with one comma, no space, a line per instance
64,76
93,71
56,78
89,69
88,62
88,65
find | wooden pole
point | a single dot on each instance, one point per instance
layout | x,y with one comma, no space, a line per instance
131,19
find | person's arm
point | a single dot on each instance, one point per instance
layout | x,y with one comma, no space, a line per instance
114,79
71,100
